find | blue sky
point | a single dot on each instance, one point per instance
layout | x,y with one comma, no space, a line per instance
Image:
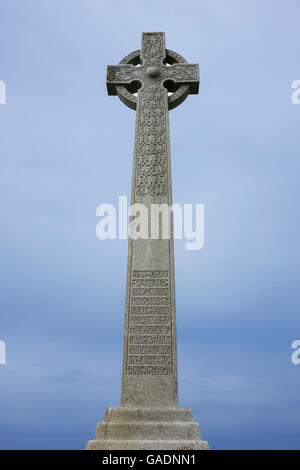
66,147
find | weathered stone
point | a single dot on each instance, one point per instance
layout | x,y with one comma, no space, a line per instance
148,428
149,417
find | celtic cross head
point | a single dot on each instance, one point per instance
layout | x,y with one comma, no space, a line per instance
153,64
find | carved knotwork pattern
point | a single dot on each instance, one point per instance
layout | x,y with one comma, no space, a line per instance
151,179
153,48
139,56
181,72
124,73
127,73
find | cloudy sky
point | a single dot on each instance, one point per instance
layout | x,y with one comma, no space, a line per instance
66,147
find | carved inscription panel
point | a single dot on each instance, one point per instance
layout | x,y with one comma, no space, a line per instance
149,337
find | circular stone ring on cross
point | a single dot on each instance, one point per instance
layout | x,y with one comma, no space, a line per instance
174,100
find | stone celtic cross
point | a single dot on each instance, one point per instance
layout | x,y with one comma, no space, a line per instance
149,417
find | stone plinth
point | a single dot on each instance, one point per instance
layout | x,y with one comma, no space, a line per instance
148,429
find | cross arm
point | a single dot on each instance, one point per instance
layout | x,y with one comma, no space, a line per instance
122,74
184,74
153,49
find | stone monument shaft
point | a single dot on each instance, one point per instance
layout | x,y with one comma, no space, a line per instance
149,374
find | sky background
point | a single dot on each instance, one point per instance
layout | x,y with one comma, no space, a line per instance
66,146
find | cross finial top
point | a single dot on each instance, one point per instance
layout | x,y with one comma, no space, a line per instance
153,63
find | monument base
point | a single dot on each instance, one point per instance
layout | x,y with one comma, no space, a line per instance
128,428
